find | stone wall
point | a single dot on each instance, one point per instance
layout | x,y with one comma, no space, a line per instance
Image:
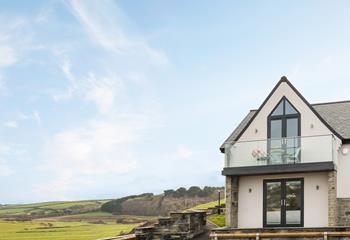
338,208
332,198
179,226
231,191
343,212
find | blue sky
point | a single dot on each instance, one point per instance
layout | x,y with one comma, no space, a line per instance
101,99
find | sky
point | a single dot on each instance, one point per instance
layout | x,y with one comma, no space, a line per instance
101,99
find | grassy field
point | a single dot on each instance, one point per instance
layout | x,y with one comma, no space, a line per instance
207,205
218,220
35,230
47,207
98,216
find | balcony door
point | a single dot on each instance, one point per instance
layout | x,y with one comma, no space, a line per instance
283,203
283,134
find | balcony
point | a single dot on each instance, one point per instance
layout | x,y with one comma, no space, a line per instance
292,154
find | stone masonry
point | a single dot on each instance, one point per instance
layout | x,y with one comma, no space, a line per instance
232,201
343,212
332,198
338,208
179,226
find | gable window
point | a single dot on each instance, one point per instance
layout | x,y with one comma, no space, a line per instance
283,133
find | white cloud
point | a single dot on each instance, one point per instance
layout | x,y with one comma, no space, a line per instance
12,40
103,21
78,156
7,56
36,117
90,152
102,91
96,148
184,152
11,124
5,169
3,88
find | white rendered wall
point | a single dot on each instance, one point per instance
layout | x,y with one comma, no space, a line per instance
343,170
310,124
250,205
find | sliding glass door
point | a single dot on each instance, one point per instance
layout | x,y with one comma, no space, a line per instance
283,203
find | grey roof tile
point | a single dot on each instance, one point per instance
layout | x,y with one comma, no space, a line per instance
337,115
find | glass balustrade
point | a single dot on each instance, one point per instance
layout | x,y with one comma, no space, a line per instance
291,150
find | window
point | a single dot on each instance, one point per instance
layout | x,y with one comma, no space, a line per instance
283,133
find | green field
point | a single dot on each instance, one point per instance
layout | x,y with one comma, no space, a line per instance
218,220
35,230
207,205
47,207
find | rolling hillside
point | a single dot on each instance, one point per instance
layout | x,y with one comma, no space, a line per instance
155,205
146,204
38,210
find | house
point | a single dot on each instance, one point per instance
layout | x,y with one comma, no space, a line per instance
287,164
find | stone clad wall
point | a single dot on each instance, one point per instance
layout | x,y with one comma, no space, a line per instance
179,226
231,191
332,198
338,208
343,212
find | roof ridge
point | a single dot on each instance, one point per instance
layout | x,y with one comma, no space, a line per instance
315,104
335,102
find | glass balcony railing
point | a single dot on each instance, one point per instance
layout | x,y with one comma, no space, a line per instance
291,150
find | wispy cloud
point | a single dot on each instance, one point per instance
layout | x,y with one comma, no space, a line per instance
33,116
184,152
5,169
36,117
7,56
102,90
91,152
11,124
103,21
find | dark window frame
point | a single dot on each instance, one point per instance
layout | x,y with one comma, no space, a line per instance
283,119
283,207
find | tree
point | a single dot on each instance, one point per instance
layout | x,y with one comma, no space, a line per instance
194,191
180,192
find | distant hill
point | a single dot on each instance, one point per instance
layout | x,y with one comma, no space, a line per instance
46,209
148,204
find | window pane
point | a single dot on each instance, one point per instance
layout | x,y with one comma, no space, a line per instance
289,109
293,202
278,110
276,128
273,203
292,127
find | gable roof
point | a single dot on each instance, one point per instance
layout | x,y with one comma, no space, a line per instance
335,115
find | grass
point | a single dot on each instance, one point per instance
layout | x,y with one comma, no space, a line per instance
46,207
206,205
218,220
95,214
34,230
